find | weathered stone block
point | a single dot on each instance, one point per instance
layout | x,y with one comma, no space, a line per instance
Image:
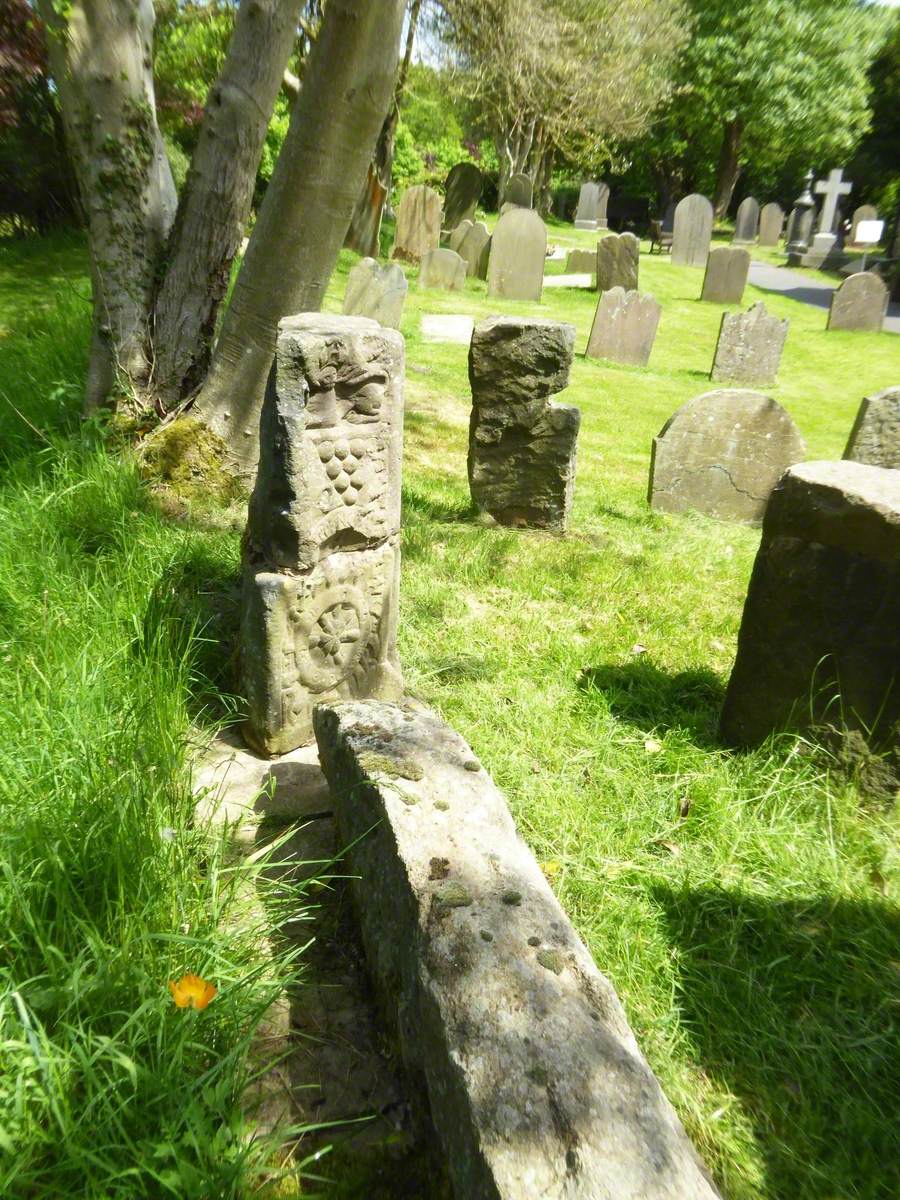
875,437
820,635
618,260
377,292
721,454
522,446
321,563
749,347
418,223
535,1082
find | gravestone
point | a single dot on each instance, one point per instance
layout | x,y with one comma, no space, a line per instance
746,223
519,191
518,251
321,559
865,212
624,327
376,291
618,259
831,190
588,204
472,242
581,262
875,437
771,223
418,223
721,454
727,268
462,191
692,231
522,444
859,303
749,347
820,634
443,269
800,224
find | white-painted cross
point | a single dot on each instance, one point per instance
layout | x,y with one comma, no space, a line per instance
832,189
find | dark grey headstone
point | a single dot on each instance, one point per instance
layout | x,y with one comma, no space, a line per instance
519,191
726,275
749,347
859,303
820,635
624,327
618,259
462,192
746,223
692,231
518,253
771,223
721,454
875,437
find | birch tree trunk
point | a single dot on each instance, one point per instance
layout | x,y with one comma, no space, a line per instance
215,204
101,56
306,210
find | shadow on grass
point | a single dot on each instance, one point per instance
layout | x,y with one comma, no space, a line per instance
644,696
422,505
793,1005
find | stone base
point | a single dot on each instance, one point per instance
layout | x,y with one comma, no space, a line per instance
587,224
822,246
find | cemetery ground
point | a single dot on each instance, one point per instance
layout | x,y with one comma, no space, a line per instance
745,906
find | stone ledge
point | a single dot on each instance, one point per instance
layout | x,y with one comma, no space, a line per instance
534,1079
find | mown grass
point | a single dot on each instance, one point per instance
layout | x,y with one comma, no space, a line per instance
745,906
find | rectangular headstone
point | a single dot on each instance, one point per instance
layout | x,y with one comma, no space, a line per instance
581,262
749,347
624,327
443,269
727,269
618,260
321,548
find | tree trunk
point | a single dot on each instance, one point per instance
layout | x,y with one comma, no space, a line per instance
101,57
216,201
306,209
729,167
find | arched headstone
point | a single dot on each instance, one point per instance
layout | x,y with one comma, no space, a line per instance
692,231
462,192
472,242
519,190
618,260
518,252
771,223
442,269
859,303
418,223
377,292
746,223
865,212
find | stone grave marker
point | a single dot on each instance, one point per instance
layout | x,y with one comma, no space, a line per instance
462,191
519,191
875,437
443,269
692,231
859,303
727,268
472,242
865,212
721,454
376,291
771,223
580,262
746,223
518,251
418,223
820,635
522,444
624,327
588,203
749,347
321,557
618,259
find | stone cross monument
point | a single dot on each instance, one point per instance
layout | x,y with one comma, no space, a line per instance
831,189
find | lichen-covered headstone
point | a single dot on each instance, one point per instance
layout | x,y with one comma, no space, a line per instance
443,269
820,635
519,191
859,303
749,347
462,192
618,258
522,444
727,268
721,454
746,222
692,231
624,327
875,437
418,223
376,291
472,242
518,252
581,262
321,549
771,223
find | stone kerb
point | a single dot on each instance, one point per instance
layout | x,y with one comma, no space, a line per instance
534,1079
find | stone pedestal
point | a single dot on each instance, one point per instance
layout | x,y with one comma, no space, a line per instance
321,554
822,246
820,636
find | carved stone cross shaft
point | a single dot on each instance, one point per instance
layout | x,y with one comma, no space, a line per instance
832,189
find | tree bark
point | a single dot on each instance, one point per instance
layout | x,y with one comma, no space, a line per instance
729,168
101,57
215,204
306,209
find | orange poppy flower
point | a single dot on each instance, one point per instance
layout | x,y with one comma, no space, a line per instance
192,992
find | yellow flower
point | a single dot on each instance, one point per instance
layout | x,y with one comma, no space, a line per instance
192,992
551,869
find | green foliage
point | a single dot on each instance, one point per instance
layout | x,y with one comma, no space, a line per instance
434,133
875,169
189,49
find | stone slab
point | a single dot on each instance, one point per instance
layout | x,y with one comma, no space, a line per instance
518,251
376,291
567,281
721,454
820,634
875,437
749,348
624,327
727,268
536,1084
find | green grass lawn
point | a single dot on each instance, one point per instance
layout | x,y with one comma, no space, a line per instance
745,906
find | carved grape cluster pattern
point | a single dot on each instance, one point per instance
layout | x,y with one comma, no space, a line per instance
342,460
